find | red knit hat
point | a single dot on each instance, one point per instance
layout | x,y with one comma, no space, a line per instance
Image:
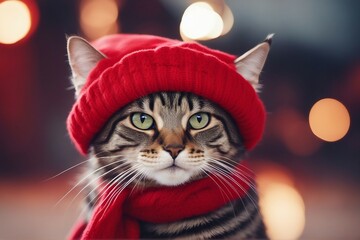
137,65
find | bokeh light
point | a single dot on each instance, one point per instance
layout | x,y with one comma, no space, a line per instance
15,21
329,119
228,19
201,22
283,211
98,18
281,204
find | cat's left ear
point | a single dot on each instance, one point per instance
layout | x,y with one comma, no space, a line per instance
251,63
82,59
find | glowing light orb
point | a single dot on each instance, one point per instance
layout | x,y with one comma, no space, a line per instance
15,21
329,120
98,17
228,19
201,22
281,205
283,211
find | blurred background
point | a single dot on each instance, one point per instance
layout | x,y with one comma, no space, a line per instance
308,163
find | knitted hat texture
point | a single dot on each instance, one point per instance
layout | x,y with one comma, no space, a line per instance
138,65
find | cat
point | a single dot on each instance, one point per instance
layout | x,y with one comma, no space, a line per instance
172,138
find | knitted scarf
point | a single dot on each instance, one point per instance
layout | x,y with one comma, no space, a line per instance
120,218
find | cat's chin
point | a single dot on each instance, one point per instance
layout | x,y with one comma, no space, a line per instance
172,176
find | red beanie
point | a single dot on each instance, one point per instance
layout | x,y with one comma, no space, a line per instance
137,65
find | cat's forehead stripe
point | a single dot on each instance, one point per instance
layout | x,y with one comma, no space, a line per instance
167,111
173,109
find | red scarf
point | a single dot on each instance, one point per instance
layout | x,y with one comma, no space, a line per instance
160,205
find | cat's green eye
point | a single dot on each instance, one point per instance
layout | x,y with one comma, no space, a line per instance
142,121
199,120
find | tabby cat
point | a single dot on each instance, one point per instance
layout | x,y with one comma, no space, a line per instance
172,138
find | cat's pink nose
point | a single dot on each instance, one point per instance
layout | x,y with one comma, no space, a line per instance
174,149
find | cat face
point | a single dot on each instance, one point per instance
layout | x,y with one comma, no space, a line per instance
169,138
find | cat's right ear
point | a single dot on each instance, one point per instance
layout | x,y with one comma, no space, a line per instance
250,64
82,59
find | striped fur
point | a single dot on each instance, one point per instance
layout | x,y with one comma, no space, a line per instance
123,155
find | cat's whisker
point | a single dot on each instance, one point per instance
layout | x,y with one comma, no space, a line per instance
93,181
229,183
117,193
138,172
236,163
221,189
229,160
82,180
77,165
253,201
113,183
141,177
118,181
230,172
107,184
217,171
205,170
103,188
66,170
246,177
228,176
221,178
97,186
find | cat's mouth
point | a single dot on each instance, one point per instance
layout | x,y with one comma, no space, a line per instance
173,167
172,175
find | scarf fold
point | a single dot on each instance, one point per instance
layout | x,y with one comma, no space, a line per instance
120,218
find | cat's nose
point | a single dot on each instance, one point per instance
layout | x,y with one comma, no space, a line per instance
174,149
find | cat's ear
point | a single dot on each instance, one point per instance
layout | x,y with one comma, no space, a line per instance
82,59
250,64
